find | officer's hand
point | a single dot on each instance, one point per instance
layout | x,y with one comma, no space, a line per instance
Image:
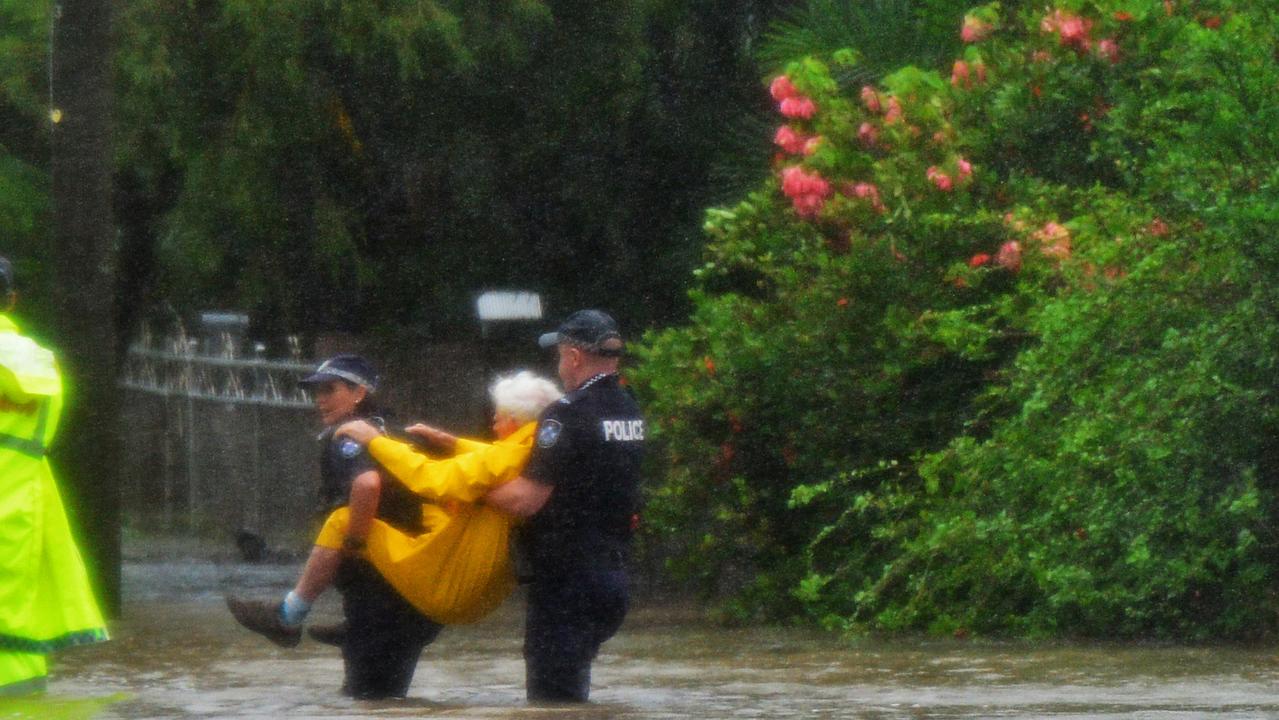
433,435
360,431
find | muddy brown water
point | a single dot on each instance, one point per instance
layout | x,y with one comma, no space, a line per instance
177,654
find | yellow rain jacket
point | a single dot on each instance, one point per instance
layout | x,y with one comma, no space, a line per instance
459,570
45,599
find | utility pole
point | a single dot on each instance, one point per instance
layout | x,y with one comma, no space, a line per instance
83,257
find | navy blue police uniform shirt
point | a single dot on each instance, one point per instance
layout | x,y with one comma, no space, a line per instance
342,460
589,447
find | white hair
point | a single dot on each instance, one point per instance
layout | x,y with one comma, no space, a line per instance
523,396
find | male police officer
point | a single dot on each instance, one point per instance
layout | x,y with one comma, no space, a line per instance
45,599
580,493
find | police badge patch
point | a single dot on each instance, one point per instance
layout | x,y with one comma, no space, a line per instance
349,448
548,433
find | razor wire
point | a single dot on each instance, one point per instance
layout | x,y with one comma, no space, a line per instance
176,366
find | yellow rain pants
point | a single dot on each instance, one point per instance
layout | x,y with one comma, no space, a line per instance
45,599
459,570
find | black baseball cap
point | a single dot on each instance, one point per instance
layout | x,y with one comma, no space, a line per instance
351,368
592,330
6,276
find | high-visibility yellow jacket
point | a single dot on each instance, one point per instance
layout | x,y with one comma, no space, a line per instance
459,570
45,599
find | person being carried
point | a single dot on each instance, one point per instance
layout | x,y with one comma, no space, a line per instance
457,570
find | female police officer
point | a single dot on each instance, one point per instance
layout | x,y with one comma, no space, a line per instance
385,634
580,493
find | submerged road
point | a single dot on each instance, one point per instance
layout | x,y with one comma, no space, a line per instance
176,653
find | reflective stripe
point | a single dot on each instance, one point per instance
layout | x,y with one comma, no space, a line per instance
87,636
33,446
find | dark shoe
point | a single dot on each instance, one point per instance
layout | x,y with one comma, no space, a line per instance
263,617
334,634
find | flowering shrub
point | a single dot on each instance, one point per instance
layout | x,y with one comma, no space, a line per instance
997,352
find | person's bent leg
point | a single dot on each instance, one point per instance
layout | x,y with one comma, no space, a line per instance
320,569
281,622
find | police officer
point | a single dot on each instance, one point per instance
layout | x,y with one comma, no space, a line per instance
384,634
581,495
46,602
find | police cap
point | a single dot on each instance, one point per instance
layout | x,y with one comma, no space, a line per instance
592,330
351,368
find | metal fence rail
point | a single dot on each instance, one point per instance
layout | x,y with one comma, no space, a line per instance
180,370
218,439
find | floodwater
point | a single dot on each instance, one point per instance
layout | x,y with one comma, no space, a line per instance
176,653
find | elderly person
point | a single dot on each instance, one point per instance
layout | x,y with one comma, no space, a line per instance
458,570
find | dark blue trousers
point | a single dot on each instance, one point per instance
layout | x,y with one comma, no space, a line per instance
567,620
385,634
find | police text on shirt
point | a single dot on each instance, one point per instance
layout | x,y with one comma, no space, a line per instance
623,430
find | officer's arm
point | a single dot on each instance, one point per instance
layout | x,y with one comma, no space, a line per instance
520,497
366,489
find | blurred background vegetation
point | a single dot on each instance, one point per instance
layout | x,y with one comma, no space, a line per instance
984,341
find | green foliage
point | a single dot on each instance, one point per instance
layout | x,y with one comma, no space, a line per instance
391,159
1000,356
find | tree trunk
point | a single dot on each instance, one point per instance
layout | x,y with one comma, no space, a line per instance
87,452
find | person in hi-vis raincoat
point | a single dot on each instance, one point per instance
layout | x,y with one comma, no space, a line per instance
46,602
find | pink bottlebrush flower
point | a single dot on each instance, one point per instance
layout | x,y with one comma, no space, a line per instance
940,179
1009,256
1074,31
789,140
808,192
794,181
978,260
959,75
965,169
1108,49
811,144
1158,228
1071,30
870,99
939,137
808,206
798,107
894,112
781,88
867,134
974,29
865,191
